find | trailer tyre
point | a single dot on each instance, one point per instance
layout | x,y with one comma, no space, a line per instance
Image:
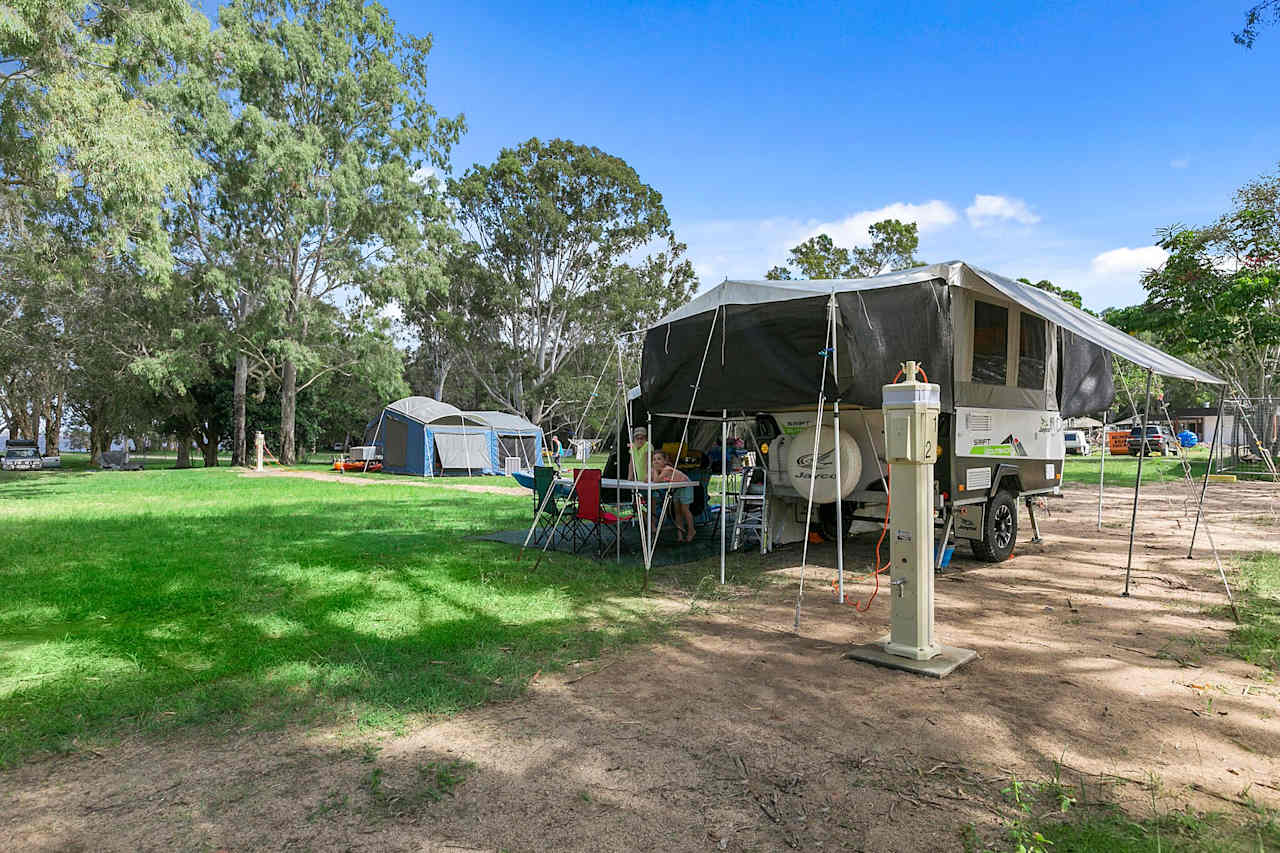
827,519
999,530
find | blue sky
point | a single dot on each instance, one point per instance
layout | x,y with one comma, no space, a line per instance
1050,144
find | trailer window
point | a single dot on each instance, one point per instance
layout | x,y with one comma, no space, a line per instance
1031,352
990,343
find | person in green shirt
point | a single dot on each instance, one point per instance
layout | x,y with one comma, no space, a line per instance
639,454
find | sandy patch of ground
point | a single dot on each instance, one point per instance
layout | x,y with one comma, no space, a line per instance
740,734
361,481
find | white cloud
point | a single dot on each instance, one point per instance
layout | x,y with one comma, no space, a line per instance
1180,163
747,248
852,230
1127,262
989,209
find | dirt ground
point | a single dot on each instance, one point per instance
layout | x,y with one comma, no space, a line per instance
740,734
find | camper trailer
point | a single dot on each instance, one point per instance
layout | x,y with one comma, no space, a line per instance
1011,361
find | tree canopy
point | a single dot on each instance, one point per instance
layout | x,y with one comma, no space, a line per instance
1217,296
76,113
893,246
565,245
313,122
1263,14
1071,297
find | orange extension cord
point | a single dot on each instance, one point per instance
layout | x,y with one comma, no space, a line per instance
862,608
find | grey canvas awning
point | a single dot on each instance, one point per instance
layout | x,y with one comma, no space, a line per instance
505,422
1092,329
1111,339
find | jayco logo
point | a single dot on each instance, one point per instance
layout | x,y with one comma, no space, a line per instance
823,458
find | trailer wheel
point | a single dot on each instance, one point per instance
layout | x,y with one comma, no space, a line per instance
827,519
999,530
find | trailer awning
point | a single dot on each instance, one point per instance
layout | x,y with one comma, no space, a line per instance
745,293
1092,329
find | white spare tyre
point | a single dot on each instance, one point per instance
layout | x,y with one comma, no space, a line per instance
801,466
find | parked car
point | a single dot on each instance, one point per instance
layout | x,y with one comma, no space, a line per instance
21,456
1077,442
1159,440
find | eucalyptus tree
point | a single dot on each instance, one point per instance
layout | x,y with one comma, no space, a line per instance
75,114
567,246
1217,296
313,121
892,247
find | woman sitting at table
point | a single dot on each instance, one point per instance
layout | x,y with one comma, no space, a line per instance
681,498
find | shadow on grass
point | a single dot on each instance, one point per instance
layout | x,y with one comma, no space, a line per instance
332,608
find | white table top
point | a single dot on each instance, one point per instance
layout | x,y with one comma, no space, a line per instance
630,484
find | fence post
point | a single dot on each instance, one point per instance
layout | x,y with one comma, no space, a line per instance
257,449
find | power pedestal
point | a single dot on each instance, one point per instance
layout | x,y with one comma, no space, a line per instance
911,447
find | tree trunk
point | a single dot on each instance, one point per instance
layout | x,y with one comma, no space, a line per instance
238,447
53,430
210,449
288,411
98,442
183,442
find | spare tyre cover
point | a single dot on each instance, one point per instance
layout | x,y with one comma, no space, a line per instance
800,464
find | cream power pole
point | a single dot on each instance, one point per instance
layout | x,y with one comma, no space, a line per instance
911,411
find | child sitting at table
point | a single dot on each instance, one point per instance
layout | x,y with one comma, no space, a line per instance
681,498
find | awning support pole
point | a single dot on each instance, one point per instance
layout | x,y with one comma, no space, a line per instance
724,483
376,431
813,463
1102,462
835,418
1137,483
625,417
1191,489
648,500
1204,483
617,459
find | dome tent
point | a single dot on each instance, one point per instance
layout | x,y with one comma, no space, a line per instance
427,438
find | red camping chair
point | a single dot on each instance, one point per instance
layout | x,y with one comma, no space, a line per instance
591,520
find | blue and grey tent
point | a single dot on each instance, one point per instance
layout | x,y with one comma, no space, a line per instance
513,438
428,438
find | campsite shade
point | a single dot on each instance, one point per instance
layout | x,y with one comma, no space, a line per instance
766,350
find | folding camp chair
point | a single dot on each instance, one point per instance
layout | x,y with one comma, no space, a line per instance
590,519
546,509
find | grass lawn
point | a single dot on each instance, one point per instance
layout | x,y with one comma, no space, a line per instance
1257,639
1102,827
1123,470
143,600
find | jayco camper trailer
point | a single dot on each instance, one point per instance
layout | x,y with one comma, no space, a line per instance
1011,361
